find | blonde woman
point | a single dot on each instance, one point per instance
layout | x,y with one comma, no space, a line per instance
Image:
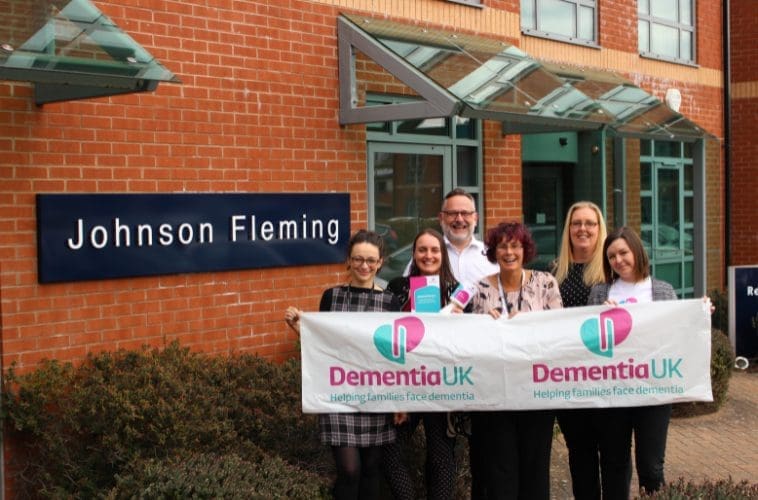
578,268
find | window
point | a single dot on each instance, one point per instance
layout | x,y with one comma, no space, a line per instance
567,20
412,164
666,29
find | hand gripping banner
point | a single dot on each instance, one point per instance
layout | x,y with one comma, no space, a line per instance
595,356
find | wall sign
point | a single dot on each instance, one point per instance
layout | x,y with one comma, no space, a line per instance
100,236
743,310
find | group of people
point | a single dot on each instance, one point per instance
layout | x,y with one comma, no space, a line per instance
509,450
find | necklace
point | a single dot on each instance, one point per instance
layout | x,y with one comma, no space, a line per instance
503,300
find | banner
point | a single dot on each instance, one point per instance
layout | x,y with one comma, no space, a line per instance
595,356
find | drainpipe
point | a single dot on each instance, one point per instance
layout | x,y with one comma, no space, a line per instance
726,34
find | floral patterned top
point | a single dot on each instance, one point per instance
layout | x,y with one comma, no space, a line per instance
538,292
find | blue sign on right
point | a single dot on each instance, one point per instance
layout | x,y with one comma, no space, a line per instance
743,310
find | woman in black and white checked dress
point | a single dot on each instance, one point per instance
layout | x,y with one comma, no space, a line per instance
356,438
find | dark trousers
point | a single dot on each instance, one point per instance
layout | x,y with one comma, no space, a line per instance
477,455
440,459
614,431
578,429
517,447
650,426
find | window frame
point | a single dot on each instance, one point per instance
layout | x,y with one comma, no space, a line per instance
470,3
388,137
678,25
536,31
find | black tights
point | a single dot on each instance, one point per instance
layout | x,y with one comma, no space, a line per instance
358,472
440,459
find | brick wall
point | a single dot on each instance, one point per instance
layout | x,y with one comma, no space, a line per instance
743,181
744,40
617,25
256,112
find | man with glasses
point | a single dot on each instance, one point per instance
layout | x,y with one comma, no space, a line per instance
469,263
458,219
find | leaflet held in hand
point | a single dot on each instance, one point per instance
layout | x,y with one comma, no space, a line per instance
425,293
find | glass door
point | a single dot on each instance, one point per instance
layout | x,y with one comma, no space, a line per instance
408,182
543,188
667,221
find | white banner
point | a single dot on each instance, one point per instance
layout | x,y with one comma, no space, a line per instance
595,356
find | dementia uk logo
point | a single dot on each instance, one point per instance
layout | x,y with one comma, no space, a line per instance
601,334
394,341
402,336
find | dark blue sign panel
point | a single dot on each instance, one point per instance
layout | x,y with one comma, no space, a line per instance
99,236
743,310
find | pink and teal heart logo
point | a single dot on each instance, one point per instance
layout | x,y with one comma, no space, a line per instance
601,334
402,336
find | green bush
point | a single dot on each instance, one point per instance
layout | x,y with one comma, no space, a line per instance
173,424
722,364
725,489
720,316
208,475
75,430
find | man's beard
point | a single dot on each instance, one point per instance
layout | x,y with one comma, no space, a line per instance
458,237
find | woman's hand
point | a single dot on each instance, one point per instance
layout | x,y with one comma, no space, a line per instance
708,304
400,418
292,318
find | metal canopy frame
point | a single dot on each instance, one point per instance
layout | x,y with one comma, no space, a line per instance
477,77
70,50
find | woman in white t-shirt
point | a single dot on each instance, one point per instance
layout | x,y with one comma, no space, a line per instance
627,280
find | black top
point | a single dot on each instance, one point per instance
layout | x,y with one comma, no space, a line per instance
573,290
348,298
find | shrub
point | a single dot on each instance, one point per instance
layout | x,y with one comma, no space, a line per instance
720,316
76,429
722,363
208,475
725,489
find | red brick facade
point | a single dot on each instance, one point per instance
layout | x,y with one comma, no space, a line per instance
743,181
256,112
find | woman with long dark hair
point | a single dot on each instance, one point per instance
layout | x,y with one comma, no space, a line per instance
429,258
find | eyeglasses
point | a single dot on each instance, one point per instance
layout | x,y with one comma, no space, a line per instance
577,224
452,214
510,246
359,261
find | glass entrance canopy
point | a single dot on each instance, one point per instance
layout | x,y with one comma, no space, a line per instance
446,74
70,50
